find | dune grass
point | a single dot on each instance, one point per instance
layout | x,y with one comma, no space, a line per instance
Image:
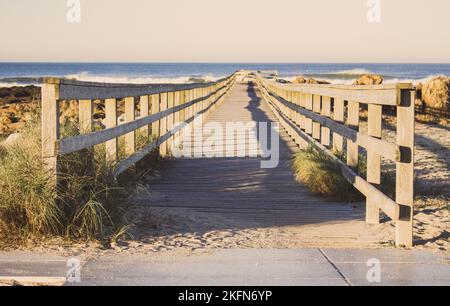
86,204
322,175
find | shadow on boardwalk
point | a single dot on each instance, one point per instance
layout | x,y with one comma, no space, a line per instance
235,198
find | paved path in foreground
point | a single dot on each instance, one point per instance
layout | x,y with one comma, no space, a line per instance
243,267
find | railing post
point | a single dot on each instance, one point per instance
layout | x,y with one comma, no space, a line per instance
170,120
86,116
326,112
308,121
317,110
176,118
373,162
405,169
353,123
50,126
163,125
338,116
144,112
110,122
154,99
130,115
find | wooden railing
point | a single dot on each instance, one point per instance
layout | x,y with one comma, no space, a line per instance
161,107
328,117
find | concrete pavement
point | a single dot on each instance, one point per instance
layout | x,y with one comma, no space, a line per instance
291,267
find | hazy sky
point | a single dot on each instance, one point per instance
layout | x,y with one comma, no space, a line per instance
225,31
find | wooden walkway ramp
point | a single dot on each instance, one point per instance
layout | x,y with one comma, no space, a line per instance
236,193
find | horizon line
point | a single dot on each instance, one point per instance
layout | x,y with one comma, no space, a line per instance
213,62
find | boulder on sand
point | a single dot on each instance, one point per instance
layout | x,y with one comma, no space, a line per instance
369,79
303,80
436,93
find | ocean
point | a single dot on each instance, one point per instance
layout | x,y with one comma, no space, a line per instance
17,74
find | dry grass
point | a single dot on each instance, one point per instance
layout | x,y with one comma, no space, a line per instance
85,205
322,175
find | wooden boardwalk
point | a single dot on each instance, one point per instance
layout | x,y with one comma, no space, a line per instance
238,193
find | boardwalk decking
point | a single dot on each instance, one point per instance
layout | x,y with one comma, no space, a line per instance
239,194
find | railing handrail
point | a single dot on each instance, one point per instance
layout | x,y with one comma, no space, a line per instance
69,89
385,94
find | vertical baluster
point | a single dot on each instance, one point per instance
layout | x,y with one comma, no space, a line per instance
112,148
338,116
86,116
308,121
163,124
316,109
154,99
326,112
373,162
130,115
176,115
170,120
144,106
353,123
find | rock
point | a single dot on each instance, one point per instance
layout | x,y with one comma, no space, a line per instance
12,139
196,80
299,80
369,79
303,80
436,93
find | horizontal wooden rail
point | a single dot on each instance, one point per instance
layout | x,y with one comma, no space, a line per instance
315,115
161,108
80,90
388,94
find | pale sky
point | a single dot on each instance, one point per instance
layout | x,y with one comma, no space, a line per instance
225,31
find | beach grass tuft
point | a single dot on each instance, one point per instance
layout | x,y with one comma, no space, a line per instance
322,175
86,204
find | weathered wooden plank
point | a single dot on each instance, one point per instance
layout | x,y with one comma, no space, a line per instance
405,169
387,94
338,116
73,89
86,116
112,148
170,120
154,99
144,111
130,116
373,162
309,121
50,127
326,112
163,124
317,105
353,123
